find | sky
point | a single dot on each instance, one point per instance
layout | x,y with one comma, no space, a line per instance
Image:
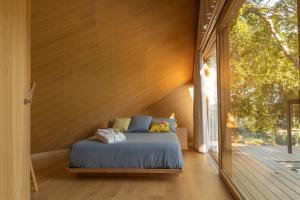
269,2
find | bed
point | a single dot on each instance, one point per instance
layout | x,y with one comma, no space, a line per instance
140,153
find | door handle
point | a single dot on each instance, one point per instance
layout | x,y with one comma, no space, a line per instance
28,100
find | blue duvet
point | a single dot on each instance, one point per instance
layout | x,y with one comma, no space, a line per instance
140,150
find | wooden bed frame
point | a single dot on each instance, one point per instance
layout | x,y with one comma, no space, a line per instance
122,171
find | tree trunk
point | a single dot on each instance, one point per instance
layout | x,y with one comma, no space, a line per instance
275,34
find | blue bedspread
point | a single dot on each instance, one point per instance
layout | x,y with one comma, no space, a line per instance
140,150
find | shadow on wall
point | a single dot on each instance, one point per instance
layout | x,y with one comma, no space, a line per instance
179,102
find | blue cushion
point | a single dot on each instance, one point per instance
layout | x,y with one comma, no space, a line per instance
172,122
139,124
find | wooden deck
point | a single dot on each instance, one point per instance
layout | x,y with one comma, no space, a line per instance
259,172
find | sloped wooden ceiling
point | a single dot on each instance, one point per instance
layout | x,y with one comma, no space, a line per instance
94,60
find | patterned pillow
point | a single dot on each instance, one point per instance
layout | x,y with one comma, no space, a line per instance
172,122
121,124
157,127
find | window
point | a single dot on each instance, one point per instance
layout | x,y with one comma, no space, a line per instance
210,102
259,79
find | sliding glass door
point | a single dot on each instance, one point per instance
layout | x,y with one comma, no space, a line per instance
210,101
259,102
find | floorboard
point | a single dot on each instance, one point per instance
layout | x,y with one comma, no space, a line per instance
197,182
258,173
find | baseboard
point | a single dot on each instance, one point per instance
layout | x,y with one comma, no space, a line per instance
50,154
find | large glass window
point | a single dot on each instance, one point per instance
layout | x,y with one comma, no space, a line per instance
259,100
210,102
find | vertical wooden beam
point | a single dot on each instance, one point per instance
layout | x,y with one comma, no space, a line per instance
289,111
289,126
14,118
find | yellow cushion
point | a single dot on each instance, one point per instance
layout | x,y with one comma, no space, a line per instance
121,124
154,128
157,127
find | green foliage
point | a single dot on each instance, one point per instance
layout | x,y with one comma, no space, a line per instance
281,139
263,76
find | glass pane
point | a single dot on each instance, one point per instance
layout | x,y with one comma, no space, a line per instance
263,73
210,99
295,127
206,10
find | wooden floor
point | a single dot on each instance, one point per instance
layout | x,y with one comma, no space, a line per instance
260,173
199,181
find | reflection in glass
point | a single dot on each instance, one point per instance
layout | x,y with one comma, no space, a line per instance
261,74
210,102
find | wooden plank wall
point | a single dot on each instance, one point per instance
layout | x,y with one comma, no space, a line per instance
94,60
14,118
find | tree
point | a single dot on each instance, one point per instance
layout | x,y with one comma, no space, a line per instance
264,63
266,13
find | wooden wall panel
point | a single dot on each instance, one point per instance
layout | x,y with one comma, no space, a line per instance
179,102
94,60
14,119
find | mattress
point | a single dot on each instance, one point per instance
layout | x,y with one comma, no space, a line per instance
140,150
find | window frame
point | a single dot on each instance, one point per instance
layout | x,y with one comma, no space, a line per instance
229,12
